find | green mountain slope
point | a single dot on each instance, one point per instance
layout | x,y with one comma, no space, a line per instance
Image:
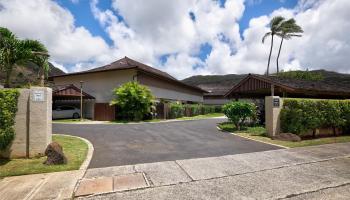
28,75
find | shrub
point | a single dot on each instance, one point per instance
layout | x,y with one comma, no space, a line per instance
301,115
218,109
176,110
8,109
134,101
239,111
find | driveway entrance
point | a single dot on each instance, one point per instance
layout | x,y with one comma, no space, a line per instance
125,144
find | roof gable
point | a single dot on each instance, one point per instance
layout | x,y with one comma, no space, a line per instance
325,87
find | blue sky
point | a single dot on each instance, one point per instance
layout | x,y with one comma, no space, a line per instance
183,37
253,8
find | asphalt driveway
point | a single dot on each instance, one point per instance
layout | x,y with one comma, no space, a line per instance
124,144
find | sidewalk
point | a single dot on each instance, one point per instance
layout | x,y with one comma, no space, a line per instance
57,185
301,173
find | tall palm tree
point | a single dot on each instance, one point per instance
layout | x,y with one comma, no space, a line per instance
38,54
275,27
15,51
289,29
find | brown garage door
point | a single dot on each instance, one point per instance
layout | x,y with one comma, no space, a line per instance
104,112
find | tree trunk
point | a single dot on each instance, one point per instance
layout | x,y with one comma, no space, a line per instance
268,63
278,56
8,78
238,126
314,133
42,78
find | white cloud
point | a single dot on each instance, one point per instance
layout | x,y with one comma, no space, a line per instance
54,26
160,27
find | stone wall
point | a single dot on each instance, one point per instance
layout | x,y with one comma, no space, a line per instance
33,123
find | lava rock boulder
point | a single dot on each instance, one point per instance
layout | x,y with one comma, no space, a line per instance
55,155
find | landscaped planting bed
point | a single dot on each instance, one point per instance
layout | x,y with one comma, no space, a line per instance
74,149
259,133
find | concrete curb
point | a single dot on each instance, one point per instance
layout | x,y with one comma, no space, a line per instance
89,154
254,139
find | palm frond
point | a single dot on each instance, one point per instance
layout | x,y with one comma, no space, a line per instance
275,23
265,36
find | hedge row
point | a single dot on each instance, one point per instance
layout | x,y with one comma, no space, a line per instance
8,109
301,115
188,110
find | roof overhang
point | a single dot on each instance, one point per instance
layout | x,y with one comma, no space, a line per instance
69,92
259,86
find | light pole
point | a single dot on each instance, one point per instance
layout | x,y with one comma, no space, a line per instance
81,100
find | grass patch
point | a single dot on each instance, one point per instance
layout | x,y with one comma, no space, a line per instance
74,148
259,133
210,115
70,120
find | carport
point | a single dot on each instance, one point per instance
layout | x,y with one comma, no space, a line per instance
70,95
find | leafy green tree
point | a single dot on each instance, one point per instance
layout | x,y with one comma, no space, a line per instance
275,27
239,111
288,30
134,101
14,51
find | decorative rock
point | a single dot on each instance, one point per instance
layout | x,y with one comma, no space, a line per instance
55,155
287,137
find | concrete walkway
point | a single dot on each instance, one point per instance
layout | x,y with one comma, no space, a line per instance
57,185
320,172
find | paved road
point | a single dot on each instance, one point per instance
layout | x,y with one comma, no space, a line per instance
124,144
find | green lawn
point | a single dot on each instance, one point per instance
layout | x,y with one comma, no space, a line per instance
75,150
210,115
259,133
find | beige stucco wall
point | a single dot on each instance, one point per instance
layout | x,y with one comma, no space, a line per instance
33,127
100,84
272,115
166,90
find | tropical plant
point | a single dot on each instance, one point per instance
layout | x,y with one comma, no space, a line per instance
288,30
134,101
275,27
239,111
14,51
39,55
